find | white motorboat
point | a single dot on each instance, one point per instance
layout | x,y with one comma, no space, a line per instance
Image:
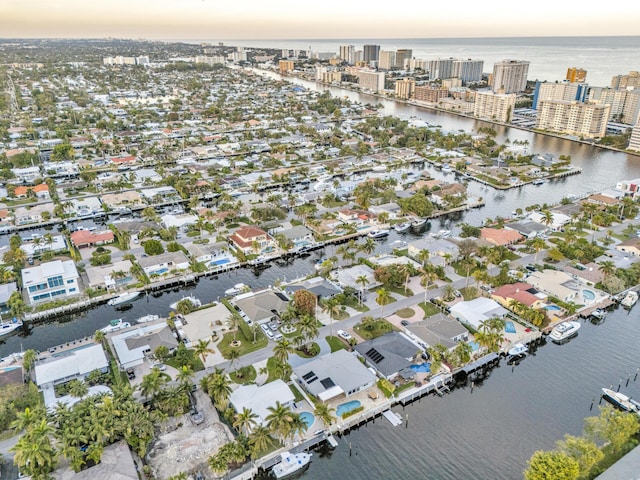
620,400
124,298
599,313
115,325
629,299
194,301
291,463
236,289
402,227
518,349
148,318
9,326
418,223
378,233
564,330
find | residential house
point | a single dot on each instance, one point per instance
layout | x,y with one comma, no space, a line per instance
451,190
51,281
258,399
300,236
334,374
6,289
162,194
199,325
519,292
390,354
40,191
438,329
319,286
589,273
474,312
392,210
526,228
558,220
348,277
180,221
357,217
40,244
134,345
261,306
440,250
86,238
251,239
26,175
112,276
500,236
129,199
557,284
164,263
33,213
631,246
85,207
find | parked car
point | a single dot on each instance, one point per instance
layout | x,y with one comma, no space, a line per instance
131,374
404,323
345,335
159,366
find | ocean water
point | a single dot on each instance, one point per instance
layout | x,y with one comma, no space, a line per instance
602,57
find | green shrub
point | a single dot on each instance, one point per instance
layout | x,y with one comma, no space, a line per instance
386,386
350,413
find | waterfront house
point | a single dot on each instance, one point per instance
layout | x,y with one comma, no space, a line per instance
319,286
450,190
526,228
111,276
250,239
51,281
86,238
630,188
556,283
134,345
40,244
127,199
439,249
333,374
558,221
299,235
392,210
261,306
347,277
211,254
588,273
631,247
164,263
41,191
164,194
357,217
519,292
199,325
476,311
500,236
85,207
179,221
258,399
6,289
33,213
27,174
438,329
390,354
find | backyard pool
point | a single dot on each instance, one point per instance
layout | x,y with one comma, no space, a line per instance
221,261
308,418
552,308
347,407
588,295
422,367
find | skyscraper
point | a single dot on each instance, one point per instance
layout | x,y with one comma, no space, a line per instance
403,54
510,76
576,75
440,68
347,54
386,60
371,53
468,70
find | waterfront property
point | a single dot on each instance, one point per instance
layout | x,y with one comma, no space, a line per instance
50,281
476,311
519,292
201,324
134,345
164,263
258,399
258,307
334,374
438,329
390,354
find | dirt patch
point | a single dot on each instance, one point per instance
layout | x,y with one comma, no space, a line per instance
182,446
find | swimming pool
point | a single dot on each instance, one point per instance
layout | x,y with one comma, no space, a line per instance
553,308
474,345
422,367
588,295
308,418
347,407
222,261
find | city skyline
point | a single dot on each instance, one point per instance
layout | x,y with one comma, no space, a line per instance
250,19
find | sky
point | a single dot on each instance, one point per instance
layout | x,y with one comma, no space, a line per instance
323,19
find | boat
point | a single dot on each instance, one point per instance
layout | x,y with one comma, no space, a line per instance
115,325
148,318
444,233
564,330
11,326
195,301
402,227
629,299
537,182
124,298
236,289
418,223
291,463
378,233
518,349
619,400
599,313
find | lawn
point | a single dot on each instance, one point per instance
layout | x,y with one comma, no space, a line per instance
406,312
246,345
429,309
335,343
374,329
469,293
400,291
312,351
189,358
244,375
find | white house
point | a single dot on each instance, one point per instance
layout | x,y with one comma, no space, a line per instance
50,281
164,263
476,311
259,399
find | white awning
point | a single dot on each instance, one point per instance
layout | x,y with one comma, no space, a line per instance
330,393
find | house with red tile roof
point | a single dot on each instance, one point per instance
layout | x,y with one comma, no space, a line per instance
85,238
40,191
500,236
252,240
520,292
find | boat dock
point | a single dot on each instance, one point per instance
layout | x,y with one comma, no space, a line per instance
394,418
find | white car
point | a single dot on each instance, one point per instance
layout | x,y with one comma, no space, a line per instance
345,335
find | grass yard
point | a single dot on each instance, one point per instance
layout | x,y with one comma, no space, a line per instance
429,309
335,343
246,345
373,328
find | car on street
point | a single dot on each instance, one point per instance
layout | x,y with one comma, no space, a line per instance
344,335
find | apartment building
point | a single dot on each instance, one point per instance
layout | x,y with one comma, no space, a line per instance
50,281
371,53
440,68
347,54
405,88
573,118
576,75
625,104
559,91
634,141
415,64
494,106
468,70
427,93
386,60
510,76
402,55
285,66
629,81
371,80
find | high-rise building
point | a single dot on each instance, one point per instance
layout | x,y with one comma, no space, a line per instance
371,53
386,60
440,68
405,88
510,76
634,141
347,54
629,82
415,64
497,107
625,104
402,55
558,91
468,70
573,118
427,93
576,75
371,80
285,66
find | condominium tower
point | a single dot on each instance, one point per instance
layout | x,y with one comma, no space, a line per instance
510,76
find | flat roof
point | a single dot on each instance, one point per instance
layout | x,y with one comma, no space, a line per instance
72,363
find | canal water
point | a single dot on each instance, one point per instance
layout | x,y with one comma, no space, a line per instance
487,433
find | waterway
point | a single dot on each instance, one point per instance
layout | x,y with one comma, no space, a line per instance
489,433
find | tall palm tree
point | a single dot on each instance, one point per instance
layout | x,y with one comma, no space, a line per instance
279,419
185,375
234,320
259,439
35,454
332,306
78,388
538,244
308,328
245,421
202,350
297,426
282,350
325,413
152,383
382,299
608,268
363,281
218,386
423,256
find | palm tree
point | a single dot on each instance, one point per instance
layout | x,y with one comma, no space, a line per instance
325,413
78,389
218,386
362,280
308,328
369,246
245,420
279,419
152,383
185,375
382,299
260,439
282,350
449,292
463,352
332,306
538,244
547,218
202,349
608,268
234,320
26,419
34,452
297,425
422,256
